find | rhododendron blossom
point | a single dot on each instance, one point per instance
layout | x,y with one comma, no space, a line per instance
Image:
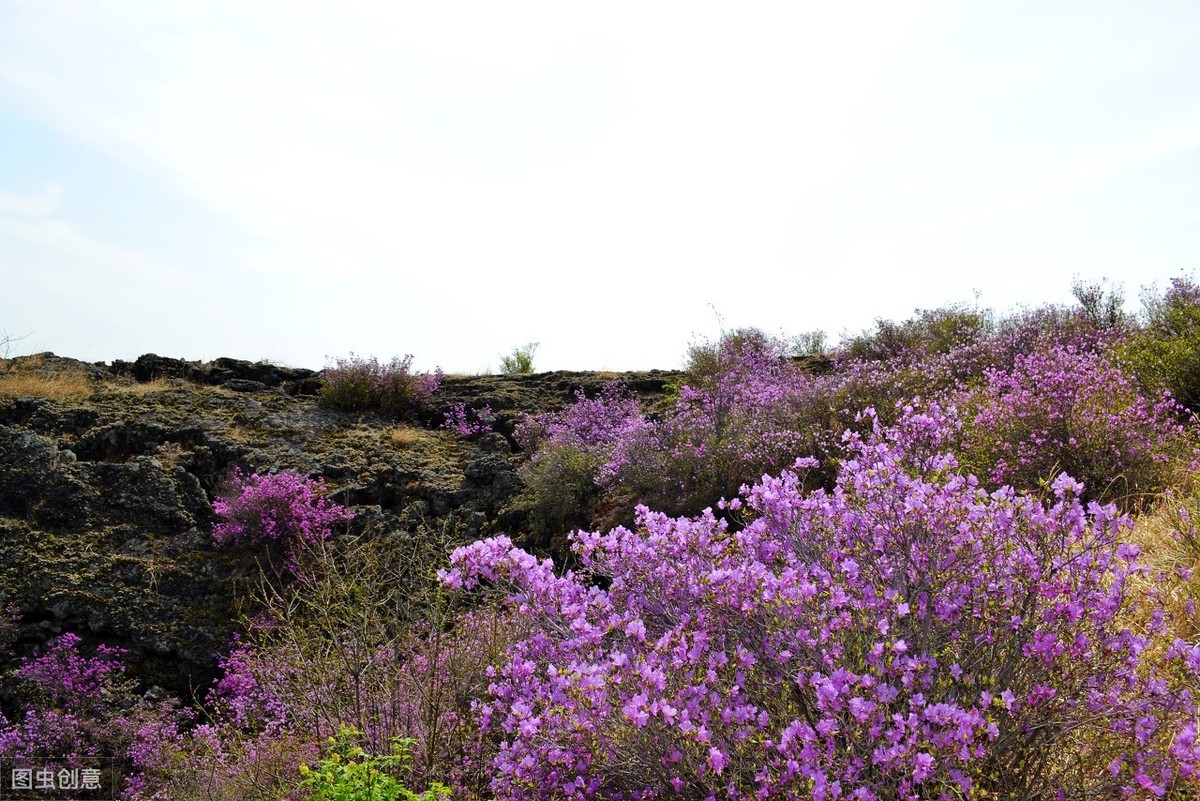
906,635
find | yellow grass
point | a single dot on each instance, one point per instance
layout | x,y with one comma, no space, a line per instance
64,386
23,362
156,385
151,387
406,437
1170,558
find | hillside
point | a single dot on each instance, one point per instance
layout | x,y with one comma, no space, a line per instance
109,473
954,556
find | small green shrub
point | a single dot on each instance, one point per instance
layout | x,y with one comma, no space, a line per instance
560,489
1165,353
1102,308
809,343
520,361
348,773
356,384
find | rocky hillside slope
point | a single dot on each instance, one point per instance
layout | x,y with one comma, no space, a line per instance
108,472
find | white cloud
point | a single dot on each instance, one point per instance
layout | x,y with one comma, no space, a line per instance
1073,178
37,205
90,264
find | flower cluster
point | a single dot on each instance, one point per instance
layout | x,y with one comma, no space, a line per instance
568,449
588,422
907,635
79,709
466,422
276,507
740,419
1066,408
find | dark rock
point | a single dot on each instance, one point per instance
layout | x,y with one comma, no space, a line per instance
217,372
151,366
245,385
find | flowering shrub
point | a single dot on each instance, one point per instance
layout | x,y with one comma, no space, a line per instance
366,640
736,419
79,710
468,422
214,760
907,635
1066,408
928,333
356,383
65,714
283,508
568,449
588,422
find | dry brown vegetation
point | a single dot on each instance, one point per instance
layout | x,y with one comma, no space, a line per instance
407,437
156,385
21,383
1171,554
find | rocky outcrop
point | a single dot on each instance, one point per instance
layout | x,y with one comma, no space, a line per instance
105,494
236,374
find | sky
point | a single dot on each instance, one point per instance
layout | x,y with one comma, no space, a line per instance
297,181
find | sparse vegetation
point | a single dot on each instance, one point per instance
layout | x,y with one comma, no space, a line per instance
520,361
27,377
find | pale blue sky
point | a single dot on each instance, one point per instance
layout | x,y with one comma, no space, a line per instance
293,180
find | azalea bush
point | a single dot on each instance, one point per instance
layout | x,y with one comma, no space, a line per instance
740,414
284,509
568,449
927,333
743,409
907,635
365,639
1069,408
358,383
468,423
77,709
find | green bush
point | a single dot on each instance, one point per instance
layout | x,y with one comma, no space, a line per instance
520,361
1102,309
560,489
348,773
1165,353
928,332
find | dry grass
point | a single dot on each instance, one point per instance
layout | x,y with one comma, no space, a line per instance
157,385
23,363
1171,553
64,386
149,387
169,455
407,437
